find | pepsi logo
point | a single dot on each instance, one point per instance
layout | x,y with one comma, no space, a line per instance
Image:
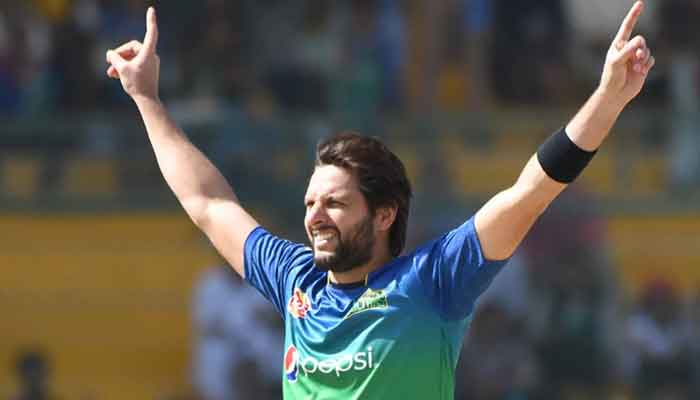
295,362
291,357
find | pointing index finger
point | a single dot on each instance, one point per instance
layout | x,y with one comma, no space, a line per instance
151,38
629,23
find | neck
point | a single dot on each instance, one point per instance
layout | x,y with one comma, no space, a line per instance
360,273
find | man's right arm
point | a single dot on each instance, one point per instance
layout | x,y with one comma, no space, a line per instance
201,189
203,192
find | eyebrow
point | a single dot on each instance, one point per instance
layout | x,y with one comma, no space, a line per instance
338,196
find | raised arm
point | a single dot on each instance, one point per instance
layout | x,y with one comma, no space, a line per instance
503,221
203,192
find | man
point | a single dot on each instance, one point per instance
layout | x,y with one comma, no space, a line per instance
362,321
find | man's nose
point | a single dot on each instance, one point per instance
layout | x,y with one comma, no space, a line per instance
317,215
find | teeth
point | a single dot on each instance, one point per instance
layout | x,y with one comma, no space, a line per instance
323,236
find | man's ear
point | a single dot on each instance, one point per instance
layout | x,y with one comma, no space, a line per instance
384,217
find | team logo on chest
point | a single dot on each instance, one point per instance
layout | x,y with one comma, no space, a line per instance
299,304
370,300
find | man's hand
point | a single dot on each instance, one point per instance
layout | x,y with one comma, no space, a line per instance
628,61
505,219
137,65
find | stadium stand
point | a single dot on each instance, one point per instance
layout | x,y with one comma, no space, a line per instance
115,288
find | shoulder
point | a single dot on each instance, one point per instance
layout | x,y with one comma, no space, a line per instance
458,237
262,243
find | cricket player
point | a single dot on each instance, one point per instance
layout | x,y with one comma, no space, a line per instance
364,319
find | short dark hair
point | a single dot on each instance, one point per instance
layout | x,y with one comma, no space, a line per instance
380,174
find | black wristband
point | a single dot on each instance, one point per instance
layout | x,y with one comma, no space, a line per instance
562,159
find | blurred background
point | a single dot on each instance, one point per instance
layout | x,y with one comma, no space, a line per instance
110,292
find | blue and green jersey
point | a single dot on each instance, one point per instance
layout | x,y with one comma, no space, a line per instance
397,337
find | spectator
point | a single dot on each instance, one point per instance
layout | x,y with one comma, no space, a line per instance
573,347
573,305
659,343
528,52
392,42
237,337
498,361
677,19
33,373
358,94
694,319
10,60
72,66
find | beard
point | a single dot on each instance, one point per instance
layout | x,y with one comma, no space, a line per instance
351,252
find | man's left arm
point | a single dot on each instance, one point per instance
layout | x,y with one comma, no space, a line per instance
503,221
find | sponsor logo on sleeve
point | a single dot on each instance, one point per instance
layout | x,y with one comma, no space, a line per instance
299,304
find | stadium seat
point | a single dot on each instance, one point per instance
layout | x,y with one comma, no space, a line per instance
408,153
21,176
649,176
90,177
645,248
599,176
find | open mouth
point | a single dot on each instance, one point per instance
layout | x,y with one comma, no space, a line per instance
324,237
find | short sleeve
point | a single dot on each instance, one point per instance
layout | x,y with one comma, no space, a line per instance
453,271
268,263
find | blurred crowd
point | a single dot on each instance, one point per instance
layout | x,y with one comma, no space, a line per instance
299,57
243,65
359,57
